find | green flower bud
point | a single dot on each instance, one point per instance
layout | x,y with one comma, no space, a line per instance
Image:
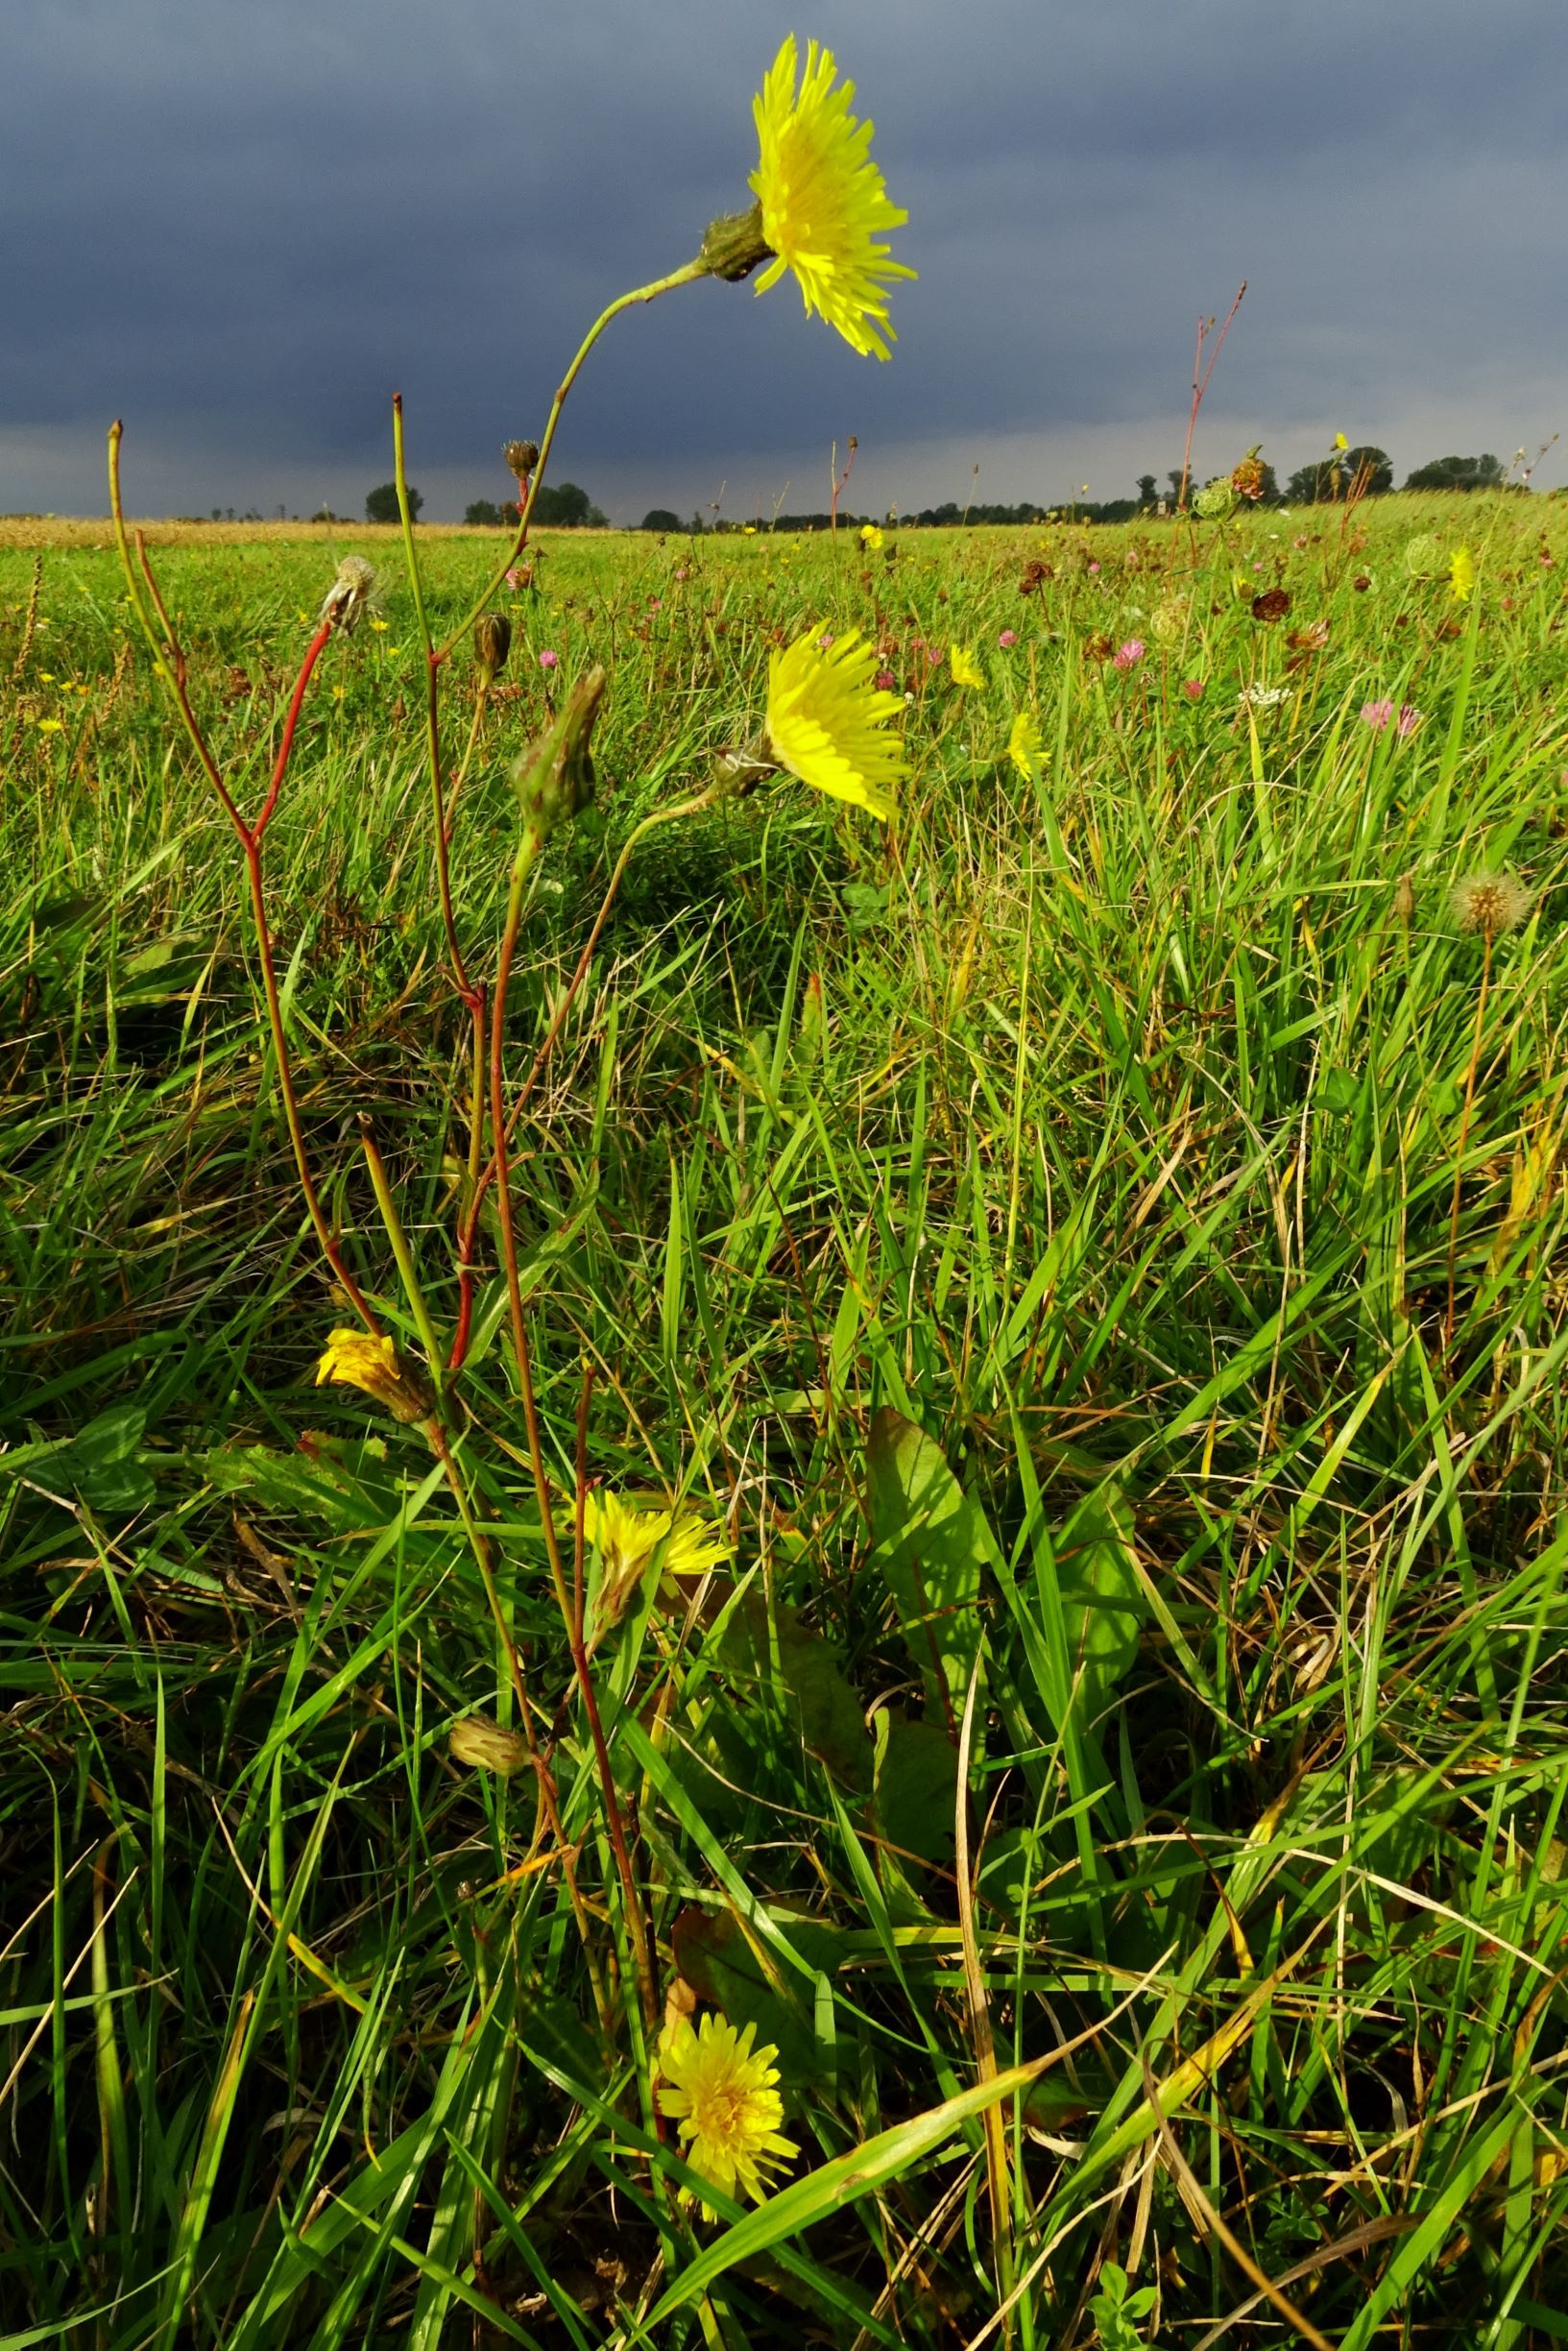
492,643
487,1747
554,777
1214,501
733,245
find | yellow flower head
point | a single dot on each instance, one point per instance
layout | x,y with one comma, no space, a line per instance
1340,442
355,1360
870,536
826,727
824,203
1025,748
720,2092
626,1539
1461,573
966,670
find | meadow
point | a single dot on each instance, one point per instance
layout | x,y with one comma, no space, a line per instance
1082,1263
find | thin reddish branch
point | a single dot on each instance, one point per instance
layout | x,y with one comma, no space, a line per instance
1200,386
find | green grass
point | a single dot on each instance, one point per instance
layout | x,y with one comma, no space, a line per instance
1105,1129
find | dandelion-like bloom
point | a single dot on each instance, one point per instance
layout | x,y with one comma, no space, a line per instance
1491,903
825,721
719,2093
1461,573
966,670
353,1359
871,536
1128,656
823,201
627,1537
1025,748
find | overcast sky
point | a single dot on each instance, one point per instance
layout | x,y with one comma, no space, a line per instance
241,228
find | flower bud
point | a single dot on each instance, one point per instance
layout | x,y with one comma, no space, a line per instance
733,245
1214,501
554,777
737,773
492,643
477,1740
522,456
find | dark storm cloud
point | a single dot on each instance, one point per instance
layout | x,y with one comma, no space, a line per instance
243,228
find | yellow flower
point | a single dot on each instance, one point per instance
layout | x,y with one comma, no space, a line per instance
626,1539
824,203
966,670
353,1359
870,536
1461,573
49,726
1025,748
720,2092
381,626
1340,442
826,728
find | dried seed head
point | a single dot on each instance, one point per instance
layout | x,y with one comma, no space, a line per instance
1490,903
522,456
349,597
1405,901
492,643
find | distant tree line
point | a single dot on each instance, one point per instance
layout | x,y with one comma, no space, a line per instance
557,506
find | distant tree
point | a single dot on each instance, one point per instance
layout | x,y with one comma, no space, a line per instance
1373,464
1149,489
382,505
659,518
1312,485
1175,477
696,527
483,514
324,514
1457,474
1269,485
566,507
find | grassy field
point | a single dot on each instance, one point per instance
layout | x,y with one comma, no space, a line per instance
1093,1246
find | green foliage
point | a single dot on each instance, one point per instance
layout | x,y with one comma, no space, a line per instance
1028,1237
483,514
659,518
382,504
564,506
1458,473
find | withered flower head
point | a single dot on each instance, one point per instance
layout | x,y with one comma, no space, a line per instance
1272,605
1248,478
492,643
348,598
1490,903
520,456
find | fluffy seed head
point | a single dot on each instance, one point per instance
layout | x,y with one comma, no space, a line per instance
1490,903
348,598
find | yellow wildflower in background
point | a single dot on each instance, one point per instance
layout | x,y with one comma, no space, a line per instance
966,670
353,1359
826,724
1461,573
824,203
720,2092
1025,748
870,536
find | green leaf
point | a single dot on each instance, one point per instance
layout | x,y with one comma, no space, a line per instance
777,1650
99,1467
931,1542
1103,1602
717,1959
917,1793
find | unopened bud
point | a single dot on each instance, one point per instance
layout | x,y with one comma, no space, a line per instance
483,1743
348,598
1404,900
522,456
492,643
736,773
554,778
733,245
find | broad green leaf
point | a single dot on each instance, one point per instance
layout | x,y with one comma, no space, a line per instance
1102,1598
917,1793
719,1960
930,1543
776,1650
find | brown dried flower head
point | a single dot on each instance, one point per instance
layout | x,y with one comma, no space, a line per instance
1272,605
520,456
348,598
1490,903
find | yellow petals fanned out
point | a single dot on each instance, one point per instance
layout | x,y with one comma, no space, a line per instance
626,1539
353,1359
720,2092
825,723
966,670
1461,573
824,203
871,537
1025,748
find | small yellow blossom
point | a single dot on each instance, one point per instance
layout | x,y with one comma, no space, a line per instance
871,537
1025,748
823,201
826,727
49,726
1340,442
353,1359
966,670
1461,573
381,626
748,530
626,1539
719,2093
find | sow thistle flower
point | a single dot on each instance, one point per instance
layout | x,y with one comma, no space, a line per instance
871,537
825,723
353,1359
719,2093
1025,748
1461,573
822,203
626,1539
966,670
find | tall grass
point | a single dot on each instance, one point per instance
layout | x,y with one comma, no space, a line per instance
1031,1236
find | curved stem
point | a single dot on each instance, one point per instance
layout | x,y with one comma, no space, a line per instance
685,275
